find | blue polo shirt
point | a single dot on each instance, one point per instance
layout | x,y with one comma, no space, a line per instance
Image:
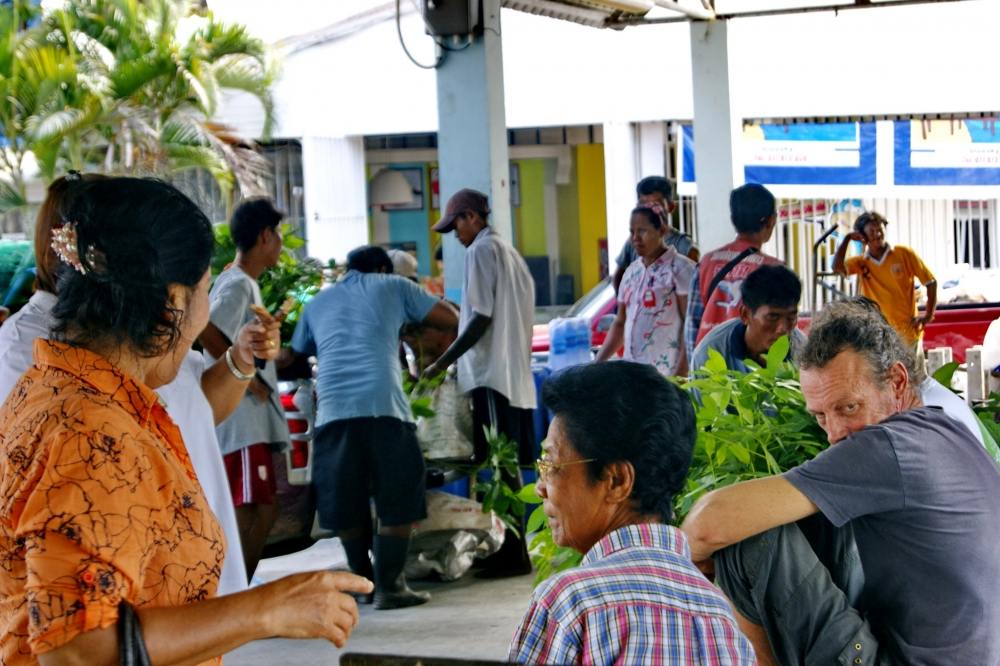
353,330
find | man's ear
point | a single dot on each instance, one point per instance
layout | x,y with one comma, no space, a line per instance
619,480
899,381
744,313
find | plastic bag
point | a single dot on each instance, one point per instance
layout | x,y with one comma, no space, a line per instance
455,532
447,434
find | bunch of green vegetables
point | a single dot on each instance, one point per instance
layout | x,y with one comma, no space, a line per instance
749,425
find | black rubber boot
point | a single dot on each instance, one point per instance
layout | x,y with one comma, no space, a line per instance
391,590
359,560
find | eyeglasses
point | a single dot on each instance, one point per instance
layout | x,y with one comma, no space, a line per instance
546,467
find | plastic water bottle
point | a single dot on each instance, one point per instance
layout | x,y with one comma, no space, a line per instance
569,342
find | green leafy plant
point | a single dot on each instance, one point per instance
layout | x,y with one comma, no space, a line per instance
945,374
987,412
498,494
126,86
421,394
749,425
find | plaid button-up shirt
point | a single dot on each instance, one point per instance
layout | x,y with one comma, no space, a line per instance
636,599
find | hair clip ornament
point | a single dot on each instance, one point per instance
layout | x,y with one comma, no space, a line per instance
64,243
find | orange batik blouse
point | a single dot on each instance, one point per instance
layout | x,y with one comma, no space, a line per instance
98,503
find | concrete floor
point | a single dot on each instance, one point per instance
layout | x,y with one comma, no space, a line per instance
466,619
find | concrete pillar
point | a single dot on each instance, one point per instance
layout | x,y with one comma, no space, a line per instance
652,149
552,249
472,135
335,193
621,168
718,128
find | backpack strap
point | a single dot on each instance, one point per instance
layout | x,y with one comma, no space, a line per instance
720,276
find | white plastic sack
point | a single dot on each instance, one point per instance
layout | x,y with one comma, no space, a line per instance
447,434
455,532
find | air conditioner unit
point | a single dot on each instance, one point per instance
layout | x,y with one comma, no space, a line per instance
445,18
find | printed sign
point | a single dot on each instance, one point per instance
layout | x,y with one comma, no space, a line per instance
947,152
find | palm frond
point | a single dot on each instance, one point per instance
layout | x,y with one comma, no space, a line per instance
53,125
94,51
207,102
249,75
184,129
223,39
10,198
130,76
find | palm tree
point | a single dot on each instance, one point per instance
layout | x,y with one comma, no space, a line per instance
131,86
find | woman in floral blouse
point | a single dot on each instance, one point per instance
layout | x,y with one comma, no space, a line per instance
652,298
99,503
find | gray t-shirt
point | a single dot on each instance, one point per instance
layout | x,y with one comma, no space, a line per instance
252,422
923,498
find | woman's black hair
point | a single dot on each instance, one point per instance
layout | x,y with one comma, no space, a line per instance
135,237
624,411
650,214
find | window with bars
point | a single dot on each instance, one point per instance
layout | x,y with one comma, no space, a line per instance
974,227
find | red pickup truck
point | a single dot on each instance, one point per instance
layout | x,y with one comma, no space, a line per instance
957,325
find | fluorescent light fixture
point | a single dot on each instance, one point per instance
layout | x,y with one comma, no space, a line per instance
388,187
594,13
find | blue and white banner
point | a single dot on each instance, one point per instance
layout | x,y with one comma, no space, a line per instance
798,154
947,152
953,158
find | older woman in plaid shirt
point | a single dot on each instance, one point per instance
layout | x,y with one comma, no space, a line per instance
611,466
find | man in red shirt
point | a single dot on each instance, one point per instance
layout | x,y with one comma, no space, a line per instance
714,297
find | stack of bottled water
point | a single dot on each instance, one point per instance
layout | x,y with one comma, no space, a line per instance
569,342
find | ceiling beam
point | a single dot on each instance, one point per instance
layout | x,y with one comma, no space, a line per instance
858,4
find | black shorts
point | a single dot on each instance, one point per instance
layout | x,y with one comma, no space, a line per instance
492,409
356,459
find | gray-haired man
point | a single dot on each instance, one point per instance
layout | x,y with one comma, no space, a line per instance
906,493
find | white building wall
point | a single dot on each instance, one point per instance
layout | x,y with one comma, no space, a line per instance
905,60
336,206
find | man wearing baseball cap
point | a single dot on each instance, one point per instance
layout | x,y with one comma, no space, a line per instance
493,348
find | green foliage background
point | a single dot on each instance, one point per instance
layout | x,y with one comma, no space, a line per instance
301,278
749,426
126,87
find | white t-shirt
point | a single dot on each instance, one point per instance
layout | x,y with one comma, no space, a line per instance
18,335
498,285
186,404
188,407
934,394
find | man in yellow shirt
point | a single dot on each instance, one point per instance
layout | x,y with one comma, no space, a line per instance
885,275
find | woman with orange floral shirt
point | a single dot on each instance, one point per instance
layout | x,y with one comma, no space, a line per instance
98,500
